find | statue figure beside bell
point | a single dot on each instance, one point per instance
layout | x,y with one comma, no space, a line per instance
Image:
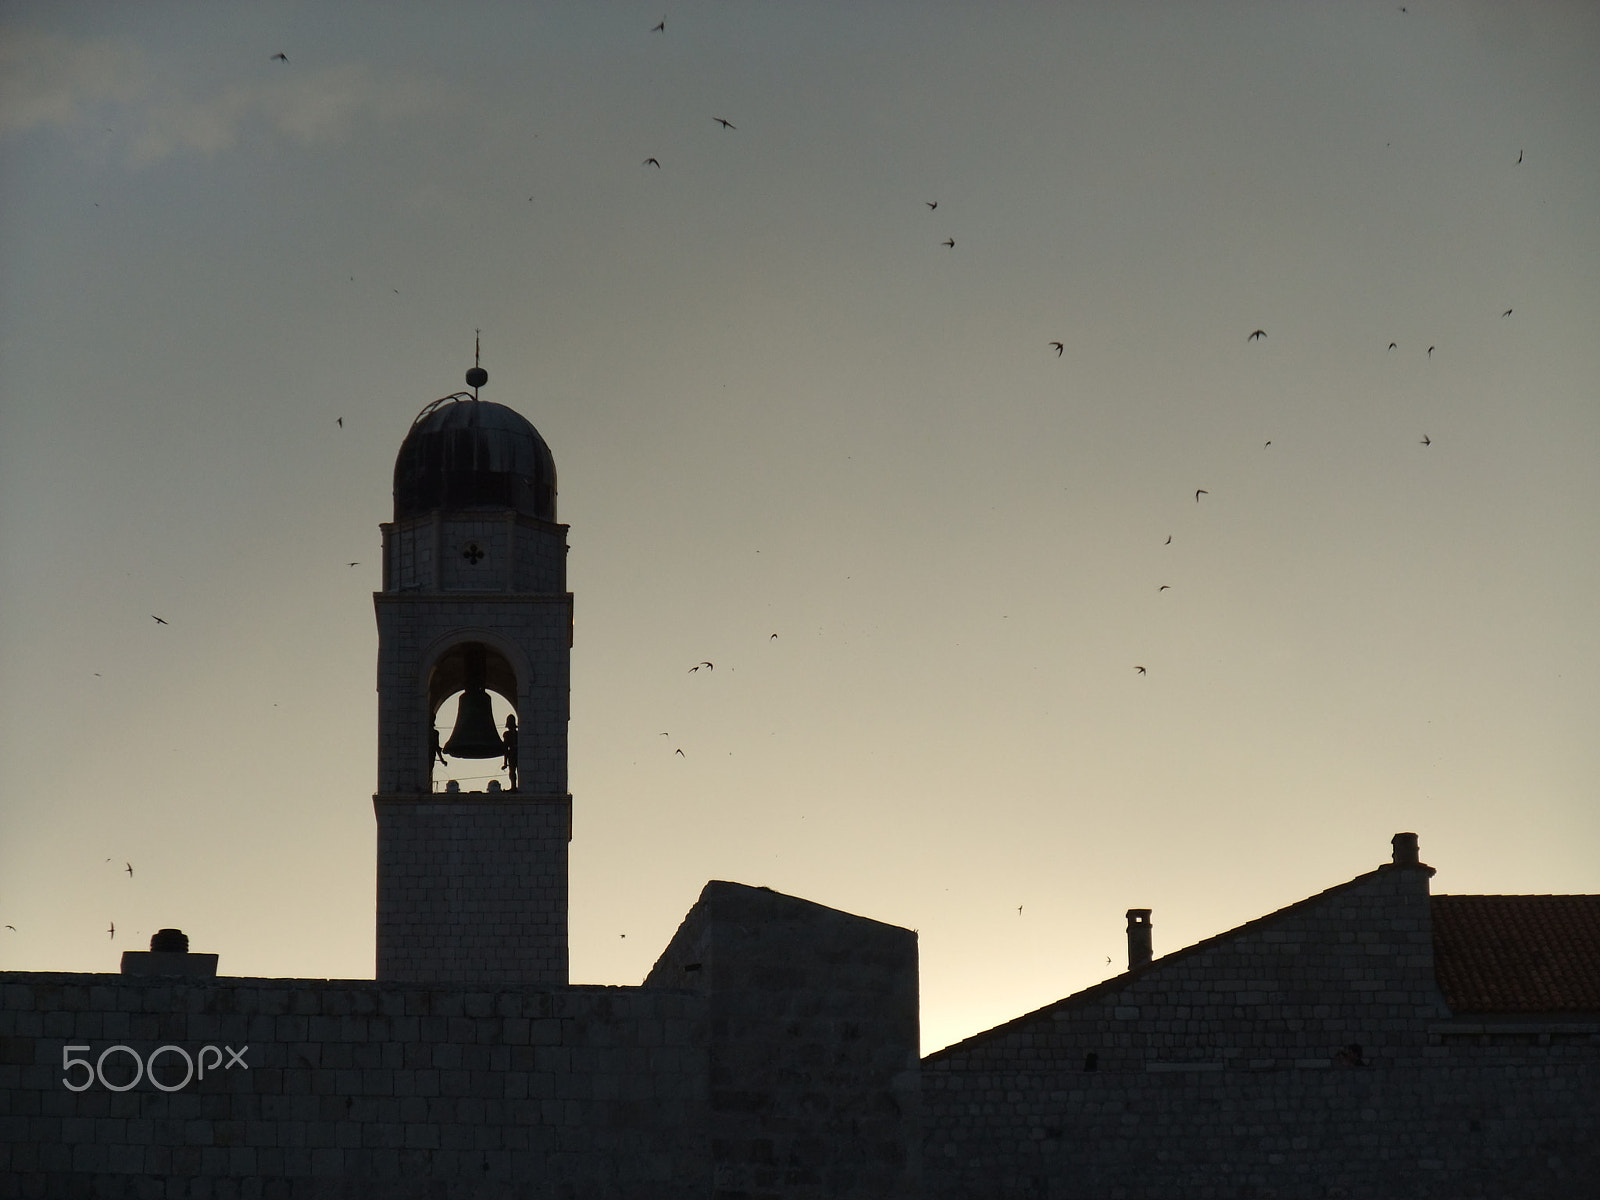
509,741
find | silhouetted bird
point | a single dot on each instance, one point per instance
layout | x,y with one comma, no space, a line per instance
1141,670
1426,441
1019,910
650,162
772,638
680,754
951,242
1519,157
279,57
113,930
707,666
340,421
1391,345
1267,443
661,28
129,866
1430,351
724,124
931,203
1507,313
157,619
352,564
1060,349
1108,962
1260,333
1168,542
1164,587
13,928
1198,492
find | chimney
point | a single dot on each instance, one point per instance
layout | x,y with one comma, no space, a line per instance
1405,850
169,957
1138,938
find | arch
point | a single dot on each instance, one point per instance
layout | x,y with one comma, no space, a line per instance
507,671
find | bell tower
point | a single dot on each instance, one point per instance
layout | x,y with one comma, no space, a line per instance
472,885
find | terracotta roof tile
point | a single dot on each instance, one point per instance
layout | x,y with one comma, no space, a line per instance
1518,954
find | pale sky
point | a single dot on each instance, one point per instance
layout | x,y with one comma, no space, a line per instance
779,403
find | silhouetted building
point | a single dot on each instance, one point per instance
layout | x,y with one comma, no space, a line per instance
1370,1041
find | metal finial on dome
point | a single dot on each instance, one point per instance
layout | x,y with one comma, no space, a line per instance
476,377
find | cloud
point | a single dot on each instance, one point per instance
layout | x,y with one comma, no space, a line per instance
84,88
51,81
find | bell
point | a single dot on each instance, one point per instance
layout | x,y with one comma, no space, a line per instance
474,735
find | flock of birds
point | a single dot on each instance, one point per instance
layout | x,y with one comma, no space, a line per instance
949,243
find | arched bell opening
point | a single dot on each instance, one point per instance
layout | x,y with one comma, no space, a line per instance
472,691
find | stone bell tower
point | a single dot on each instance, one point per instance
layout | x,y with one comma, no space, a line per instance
472,885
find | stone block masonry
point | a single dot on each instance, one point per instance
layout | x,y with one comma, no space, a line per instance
472,889
352,1089
1304,1056
813,1047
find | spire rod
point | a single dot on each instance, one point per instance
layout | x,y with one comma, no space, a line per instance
477,377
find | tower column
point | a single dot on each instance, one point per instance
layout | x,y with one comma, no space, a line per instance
472,885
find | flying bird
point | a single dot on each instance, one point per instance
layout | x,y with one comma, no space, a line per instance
661,28
772,638
1060,349
1391,345
951,242
352,564
1108,962
1507,313
1430,351
1260,333
1019,910
157,619
1141,670
932,204
1168,542
1164,587
113,930
129,867
1426,441
13,928
1198,492
724,124
340,421
1519,157
680,753
650,162
279,57
1268,443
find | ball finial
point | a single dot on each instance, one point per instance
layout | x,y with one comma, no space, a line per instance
477,377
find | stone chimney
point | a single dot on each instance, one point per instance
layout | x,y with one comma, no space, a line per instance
1405,850
169,957
1138,938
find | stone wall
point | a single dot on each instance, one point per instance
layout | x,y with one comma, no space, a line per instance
1307,1054
472,889
351,1089
813,1047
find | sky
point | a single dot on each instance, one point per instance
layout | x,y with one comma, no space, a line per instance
781,402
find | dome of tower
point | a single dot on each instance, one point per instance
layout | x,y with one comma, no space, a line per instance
466,453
